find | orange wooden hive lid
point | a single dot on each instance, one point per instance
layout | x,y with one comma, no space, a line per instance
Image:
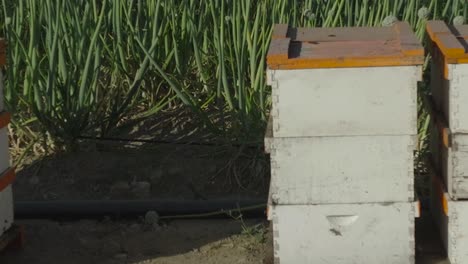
2,52
451,40
306,48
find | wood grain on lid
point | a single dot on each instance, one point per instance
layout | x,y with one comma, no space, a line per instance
2,52
302,48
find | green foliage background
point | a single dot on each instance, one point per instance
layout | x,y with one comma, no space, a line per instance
80,67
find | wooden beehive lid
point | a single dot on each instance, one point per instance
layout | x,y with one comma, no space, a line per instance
306,48
2,52
451,40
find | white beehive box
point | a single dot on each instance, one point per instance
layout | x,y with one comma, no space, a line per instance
449,72
344,81
349,169
451,218
344,233
6,172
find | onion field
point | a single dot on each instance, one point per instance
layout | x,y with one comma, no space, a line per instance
85,67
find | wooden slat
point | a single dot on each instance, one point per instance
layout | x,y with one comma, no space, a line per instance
441,34
434,27
5,118
278,50
7,178
280,31
349,49
460,31
409,44
2,52
450,45
370,61
342,34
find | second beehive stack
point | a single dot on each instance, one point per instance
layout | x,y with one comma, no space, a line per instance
449,143
341,137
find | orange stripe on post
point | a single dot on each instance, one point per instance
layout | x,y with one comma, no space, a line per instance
418,208
439,187
446,136
7,178
5,118
445,204
437,183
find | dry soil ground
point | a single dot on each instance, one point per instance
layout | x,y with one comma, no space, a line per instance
130,242
182,241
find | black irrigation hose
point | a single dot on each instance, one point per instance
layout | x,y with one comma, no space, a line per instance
167,209
153,141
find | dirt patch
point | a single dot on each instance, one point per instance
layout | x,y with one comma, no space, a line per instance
187,241
130,242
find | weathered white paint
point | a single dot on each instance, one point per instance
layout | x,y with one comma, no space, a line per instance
451,95
4,151
452,162
453,227
351,169
6,209
344,101
344,233
6,196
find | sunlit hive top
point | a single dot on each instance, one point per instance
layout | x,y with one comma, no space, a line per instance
306,48
2,52
452,41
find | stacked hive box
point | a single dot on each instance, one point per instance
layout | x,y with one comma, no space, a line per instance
6,172
449,141
341,139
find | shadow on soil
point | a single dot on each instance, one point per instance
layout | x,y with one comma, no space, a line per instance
165,156
148,171
188,241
